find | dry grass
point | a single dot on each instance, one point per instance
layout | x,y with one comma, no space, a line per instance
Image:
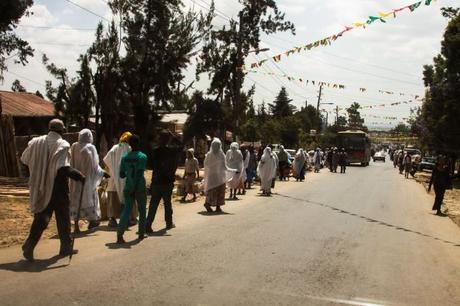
15,221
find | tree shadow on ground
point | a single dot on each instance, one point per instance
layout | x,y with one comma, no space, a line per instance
371,220
38,265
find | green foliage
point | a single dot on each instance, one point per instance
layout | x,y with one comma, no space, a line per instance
17,86
440,113
159,42
401,128
355,122
225,50
282,106
11,45
207,119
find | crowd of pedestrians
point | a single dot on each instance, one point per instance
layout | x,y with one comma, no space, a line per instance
51,161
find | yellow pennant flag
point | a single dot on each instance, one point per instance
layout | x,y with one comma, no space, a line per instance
359,25
385,15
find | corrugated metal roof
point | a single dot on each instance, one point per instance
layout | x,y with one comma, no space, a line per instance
176,118
22,104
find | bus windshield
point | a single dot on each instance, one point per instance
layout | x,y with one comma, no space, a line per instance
352,142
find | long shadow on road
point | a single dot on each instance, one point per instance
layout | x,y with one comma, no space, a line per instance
368,219
38,265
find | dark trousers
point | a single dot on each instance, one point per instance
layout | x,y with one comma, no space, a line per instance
282,167
439,192
343,168
160,192
60,206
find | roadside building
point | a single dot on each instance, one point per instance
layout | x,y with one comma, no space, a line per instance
22,115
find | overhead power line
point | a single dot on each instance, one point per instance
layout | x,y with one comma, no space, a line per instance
26,78
87,10
57,28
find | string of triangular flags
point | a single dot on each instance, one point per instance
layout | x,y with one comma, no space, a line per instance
329,84
343,113
328,40
389,104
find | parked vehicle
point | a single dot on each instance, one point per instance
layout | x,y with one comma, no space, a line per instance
427,163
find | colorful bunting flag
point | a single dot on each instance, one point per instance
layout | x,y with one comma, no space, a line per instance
327,41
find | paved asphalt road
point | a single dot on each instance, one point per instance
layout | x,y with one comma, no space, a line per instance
364,238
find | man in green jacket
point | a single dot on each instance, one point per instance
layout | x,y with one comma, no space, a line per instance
132,168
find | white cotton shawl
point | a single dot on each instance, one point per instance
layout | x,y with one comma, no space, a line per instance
84,157
216,171
299,161
267,169
113,161
44,156
234,160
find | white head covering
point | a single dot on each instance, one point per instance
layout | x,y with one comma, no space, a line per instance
234,157
267,169
85,142
299,160
216,171
84,157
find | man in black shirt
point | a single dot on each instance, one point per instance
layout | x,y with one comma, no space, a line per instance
164,160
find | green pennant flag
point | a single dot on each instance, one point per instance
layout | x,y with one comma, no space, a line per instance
414,6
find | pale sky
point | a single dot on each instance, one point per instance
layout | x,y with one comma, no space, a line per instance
387,57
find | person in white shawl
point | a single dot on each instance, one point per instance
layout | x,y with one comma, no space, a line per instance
116,184
267,170
234,160
299,165
216,175
47,158
84,157
317,158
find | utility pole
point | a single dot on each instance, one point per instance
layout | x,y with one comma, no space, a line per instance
336,114
237,84
319,97
317,106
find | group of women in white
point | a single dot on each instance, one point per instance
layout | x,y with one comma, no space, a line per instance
229,170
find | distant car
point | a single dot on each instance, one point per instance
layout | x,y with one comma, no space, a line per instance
380,155
427,163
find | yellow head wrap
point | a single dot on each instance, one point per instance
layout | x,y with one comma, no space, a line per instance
125,137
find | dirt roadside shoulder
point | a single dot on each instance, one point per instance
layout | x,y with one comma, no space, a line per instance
451,198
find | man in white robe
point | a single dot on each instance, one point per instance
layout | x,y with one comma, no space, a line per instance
116,184
47,158
84,157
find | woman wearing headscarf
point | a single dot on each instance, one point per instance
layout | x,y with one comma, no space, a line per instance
267,171
216,175
191,173
234,160
116,184
441,180
299,165
317,160
84,158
